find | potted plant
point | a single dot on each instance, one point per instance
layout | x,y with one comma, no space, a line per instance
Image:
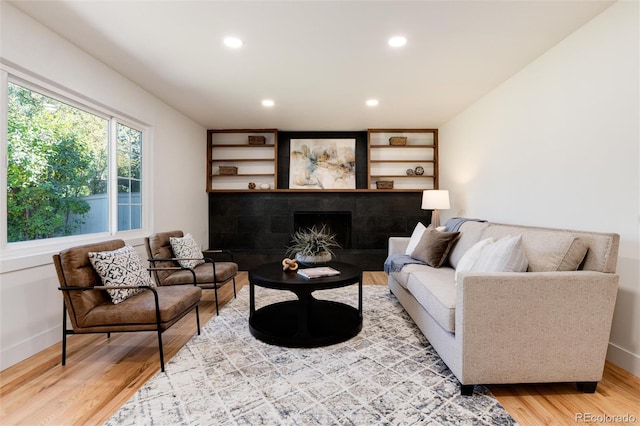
312,245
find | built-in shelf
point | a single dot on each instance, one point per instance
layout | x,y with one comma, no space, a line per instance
398,162
258,163
255,163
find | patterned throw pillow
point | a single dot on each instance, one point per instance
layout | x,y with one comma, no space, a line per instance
121,267
187,251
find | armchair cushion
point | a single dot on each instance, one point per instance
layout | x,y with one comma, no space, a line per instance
120,267
139,310
187,251
204,274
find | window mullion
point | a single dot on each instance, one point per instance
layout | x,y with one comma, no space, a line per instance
4,155
113,176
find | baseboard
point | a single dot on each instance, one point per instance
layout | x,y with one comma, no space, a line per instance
29,347
624,359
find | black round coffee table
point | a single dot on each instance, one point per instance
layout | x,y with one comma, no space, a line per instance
306,322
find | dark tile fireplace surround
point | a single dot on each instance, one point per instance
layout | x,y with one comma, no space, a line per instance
257,226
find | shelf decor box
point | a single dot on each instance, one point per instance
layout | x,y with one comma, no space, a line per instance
257,140
228,170
384,184
398,140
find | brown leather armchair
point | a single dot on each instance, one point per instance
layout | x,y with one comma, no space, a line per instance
212,274
91,310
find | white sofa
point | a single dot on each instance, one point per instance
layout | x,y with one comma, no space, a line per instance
516,327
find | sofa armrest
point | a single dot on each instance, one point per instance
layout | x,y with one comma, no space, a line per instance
398,245
517,324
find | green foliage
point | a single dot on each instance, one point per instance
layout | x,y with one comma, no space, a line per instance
57,156
312,241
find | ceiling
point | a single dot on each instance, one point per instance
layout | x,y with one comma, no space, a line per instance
318,60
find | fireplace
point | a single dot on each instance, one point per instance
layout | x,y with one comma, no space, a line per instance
338,223
257,226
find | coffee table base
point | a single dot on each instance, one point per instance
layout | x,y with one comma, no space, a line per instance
327,323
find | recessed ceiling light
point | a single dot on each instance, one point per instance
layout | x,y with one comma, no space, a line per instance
372,102
233,42
268,103
397,41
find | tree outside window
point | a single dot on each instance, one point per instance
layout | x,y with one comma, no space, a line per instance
58,169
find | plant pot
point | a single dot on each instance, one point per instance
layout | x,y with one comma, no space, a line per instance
317,259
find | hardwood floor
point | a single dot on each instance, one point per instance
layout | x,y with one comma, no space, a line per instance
100,376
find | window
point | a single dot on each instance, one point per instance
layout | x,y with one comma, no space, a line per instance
129,149
71,170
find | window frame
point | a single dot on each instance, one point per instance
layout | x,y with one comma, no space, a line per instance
24,254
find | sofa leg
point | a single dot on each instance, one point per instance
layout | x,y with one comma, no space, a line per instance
587,387
466,390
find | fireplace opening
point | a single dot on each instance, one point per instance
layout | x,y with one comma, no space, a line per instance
338,223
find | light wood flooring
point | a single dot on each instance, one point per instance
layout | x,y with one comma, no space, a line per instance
101,375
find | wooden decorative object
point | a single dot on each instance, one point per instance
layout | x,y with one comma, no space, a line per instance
384,184
289,264
398,140
257,140
228,170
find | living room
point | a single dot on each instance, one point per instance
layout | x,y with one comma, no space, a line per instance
553,143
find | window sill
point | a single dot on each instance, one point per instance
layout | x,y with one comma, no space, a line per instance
35,254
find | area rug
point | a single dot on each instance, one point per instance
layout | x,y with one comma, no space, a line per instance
387,374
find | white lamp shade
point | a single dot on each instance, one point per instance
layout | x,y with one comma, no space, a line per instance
435,199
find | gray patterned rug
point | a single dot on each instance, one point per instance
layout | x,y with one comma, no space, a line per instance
387,374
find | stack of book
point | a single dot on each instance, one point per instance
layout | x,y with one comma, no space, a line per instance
320,271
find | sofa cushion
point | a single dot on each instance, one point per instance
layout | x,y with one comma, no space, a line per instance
120,267
505,255
402,276
470,233
471,256
546,249
434,246
574,256
415,238
435,290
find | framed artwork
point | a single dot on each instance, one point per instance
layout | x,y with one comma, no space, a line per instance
322,164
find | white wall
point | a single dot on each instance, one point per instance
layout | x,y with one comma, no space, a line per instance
30,304
558,145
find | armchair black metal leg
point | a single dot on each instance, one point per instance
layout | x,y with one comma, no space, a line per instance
234,287
160,349
215,289
64,333
198,319
108,335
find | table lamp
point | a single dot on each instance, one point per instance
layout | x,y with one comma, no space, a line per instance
435,199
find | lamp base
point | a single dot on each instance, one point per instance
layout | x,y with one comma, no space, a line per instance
435,218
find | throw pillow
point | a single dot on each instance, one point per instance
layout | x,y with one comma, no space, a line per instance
121,267
574,256
505,255
415,238
434,246
469,258
187,251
